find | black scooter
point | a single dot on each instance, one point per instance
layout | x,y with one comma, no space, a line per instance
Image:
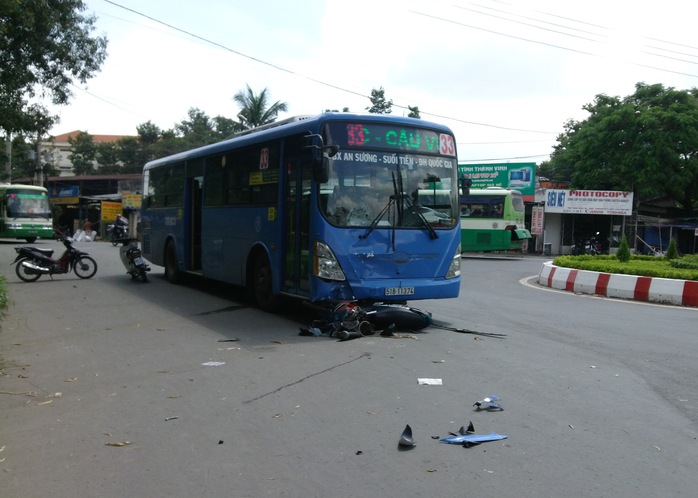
32,262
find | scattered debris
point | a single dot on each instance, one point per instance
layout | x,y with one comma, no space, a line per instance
406,438
348,321
466,437
213,363
430,382
443,326
121,443
488,404
234,339
170,418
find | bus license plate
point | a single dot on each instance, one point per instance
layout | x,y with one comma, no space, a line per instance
399,291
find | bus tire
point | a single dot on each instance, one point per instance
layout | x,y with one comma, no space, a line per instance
172,273
31,240
260,284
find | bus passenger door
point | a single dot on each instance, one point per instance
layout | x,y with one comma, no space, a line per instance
296,228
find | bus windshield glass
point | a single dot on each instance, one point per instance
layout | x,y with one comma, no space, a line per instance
27,204
387,177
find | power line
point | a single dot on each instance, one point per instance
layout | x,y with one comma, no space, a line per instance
314,80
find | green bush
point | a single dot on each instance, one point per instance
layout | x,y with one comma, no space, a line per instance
637,265
672,252
623,253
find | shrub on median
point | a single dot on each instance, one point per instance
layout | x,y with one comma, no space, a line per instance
685,268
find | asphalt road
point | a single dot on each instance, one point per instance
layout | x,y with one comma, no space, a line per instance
600,397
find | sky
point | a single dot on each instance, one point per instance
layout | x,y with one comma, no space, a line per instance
505,76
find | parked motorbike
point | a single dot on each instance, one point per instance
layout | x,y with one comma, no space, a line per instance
32,262
133,260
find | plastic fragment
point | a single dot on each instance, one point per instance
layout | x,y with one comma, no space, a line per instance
466,437
489,403
429,382
406,438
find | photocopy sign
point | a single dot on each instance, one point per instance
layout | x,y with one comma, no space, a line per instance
609,202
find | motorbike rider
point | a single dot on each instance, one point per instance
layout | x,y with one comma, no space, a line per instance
121,225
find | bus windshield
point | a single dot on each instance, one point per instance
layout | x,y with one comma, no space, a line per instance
27,203
391,190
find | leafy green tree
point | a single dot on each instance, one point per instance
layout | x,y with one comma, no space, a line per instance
133,154
646,143
414,112
623,253
198,129
378,103
107,156
45,46
84,153
148,133
255,110
226,127
672,252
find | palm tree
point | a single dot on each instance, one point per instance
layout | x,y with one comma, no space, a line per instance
254,109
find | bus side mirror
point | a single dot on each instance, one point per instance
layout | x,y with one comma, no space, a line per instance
321,155
465,184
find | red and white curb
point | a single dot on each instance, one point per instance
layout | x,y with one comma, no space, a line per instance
655,290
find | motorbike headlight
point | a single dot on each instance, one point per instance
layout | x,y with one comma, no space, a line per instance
325,264
454,267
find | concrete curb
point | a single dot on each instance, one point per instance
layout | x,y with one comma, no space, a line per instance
655,290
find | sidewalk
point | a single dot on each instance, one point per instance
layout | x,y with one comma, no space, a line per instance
648,289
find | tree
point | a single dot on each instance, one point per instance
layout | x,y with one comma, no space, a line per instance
107,156
378,103
84,153
414,112
255,109
198,130
44,47
646,143
672,252
623,253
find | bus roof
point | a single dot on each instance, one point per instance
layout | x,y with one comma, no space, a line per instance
5,186
288,127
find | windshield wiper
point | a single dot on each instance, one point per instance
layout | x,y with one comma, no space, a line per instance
417,209
378,218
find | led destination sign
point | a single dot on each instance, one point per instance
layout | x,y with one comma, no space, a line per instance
386,137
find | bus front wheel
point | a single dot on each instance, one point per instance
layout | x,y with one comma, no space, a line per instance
172,274
261,284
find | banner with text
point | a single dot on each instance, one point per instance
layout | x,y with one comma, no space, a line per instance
517,176
608,202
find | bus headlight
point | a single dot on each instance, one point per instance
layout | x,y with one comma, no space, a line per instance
454,267
325,264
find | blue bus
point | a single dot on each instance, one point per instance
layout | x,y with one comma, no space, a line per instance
329,208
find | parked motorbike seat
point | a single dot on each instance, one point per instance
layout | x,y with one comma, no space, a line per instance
47,252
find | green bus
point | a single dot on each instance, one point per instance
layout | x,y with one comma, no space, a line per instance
25,213
492,219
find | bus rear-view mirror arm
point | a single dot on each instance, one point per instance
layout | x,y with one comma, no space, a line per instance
321,164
